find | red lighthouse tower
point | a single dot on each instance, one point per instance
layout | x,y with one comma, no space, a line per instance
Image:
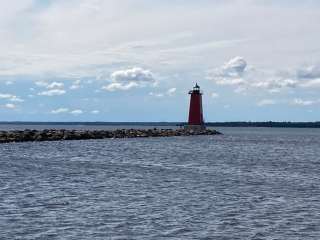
195,120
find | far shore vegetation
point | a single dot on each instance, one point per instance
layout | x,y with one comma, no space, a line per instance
159,124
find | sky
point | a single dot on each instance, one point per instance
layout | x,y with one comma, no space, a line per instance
136,60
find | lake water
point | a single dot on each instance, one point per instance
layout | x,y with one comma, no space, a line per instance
251,183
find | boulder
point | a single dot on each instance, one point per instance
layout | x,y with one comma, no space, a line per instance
55,135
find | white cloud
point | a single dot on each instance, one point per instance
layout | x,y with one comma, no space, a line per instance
73,112
52,92
171,91
302,102
10,106
158,95
231,73
16,99
89,39
130,78
236,73
136,74
75,85
231,82
241,89
41,83
235,67
266,102
214,95
313,83
10,97
274,84
12,9
53,88
60,110
120,86
309,76
117,32
55,85
9,83
76,112
309,72
5,96
95,112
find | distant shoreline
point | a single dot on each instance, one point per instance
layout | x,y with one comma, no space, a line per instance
266,124
208,124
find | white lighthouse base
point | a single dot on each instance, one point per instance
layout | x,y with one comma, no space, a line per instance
195,128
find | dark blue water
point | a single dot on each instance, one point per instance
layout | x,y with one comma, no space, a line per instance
251,183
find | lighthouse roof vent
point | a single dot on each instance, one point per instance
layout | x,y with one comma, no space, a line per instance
196,90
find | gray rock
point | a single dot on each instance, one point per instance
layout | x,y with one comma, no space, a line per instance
62,134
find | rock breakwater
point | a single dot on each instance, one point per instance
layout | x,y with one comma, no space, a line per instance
62,134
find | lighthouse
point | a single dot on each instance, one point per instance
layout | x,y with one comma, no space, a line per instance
195,121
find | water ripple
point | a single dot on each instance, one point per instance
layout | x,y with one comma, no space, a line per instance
246,184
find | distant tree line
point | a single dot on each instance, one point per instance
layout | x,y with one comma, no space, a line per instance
209,124
266,124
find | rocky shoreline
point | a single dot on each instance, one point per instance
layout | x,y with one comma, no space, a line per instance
62,134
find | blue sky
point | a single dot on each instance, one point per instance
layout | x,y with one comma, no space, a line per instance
135,60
